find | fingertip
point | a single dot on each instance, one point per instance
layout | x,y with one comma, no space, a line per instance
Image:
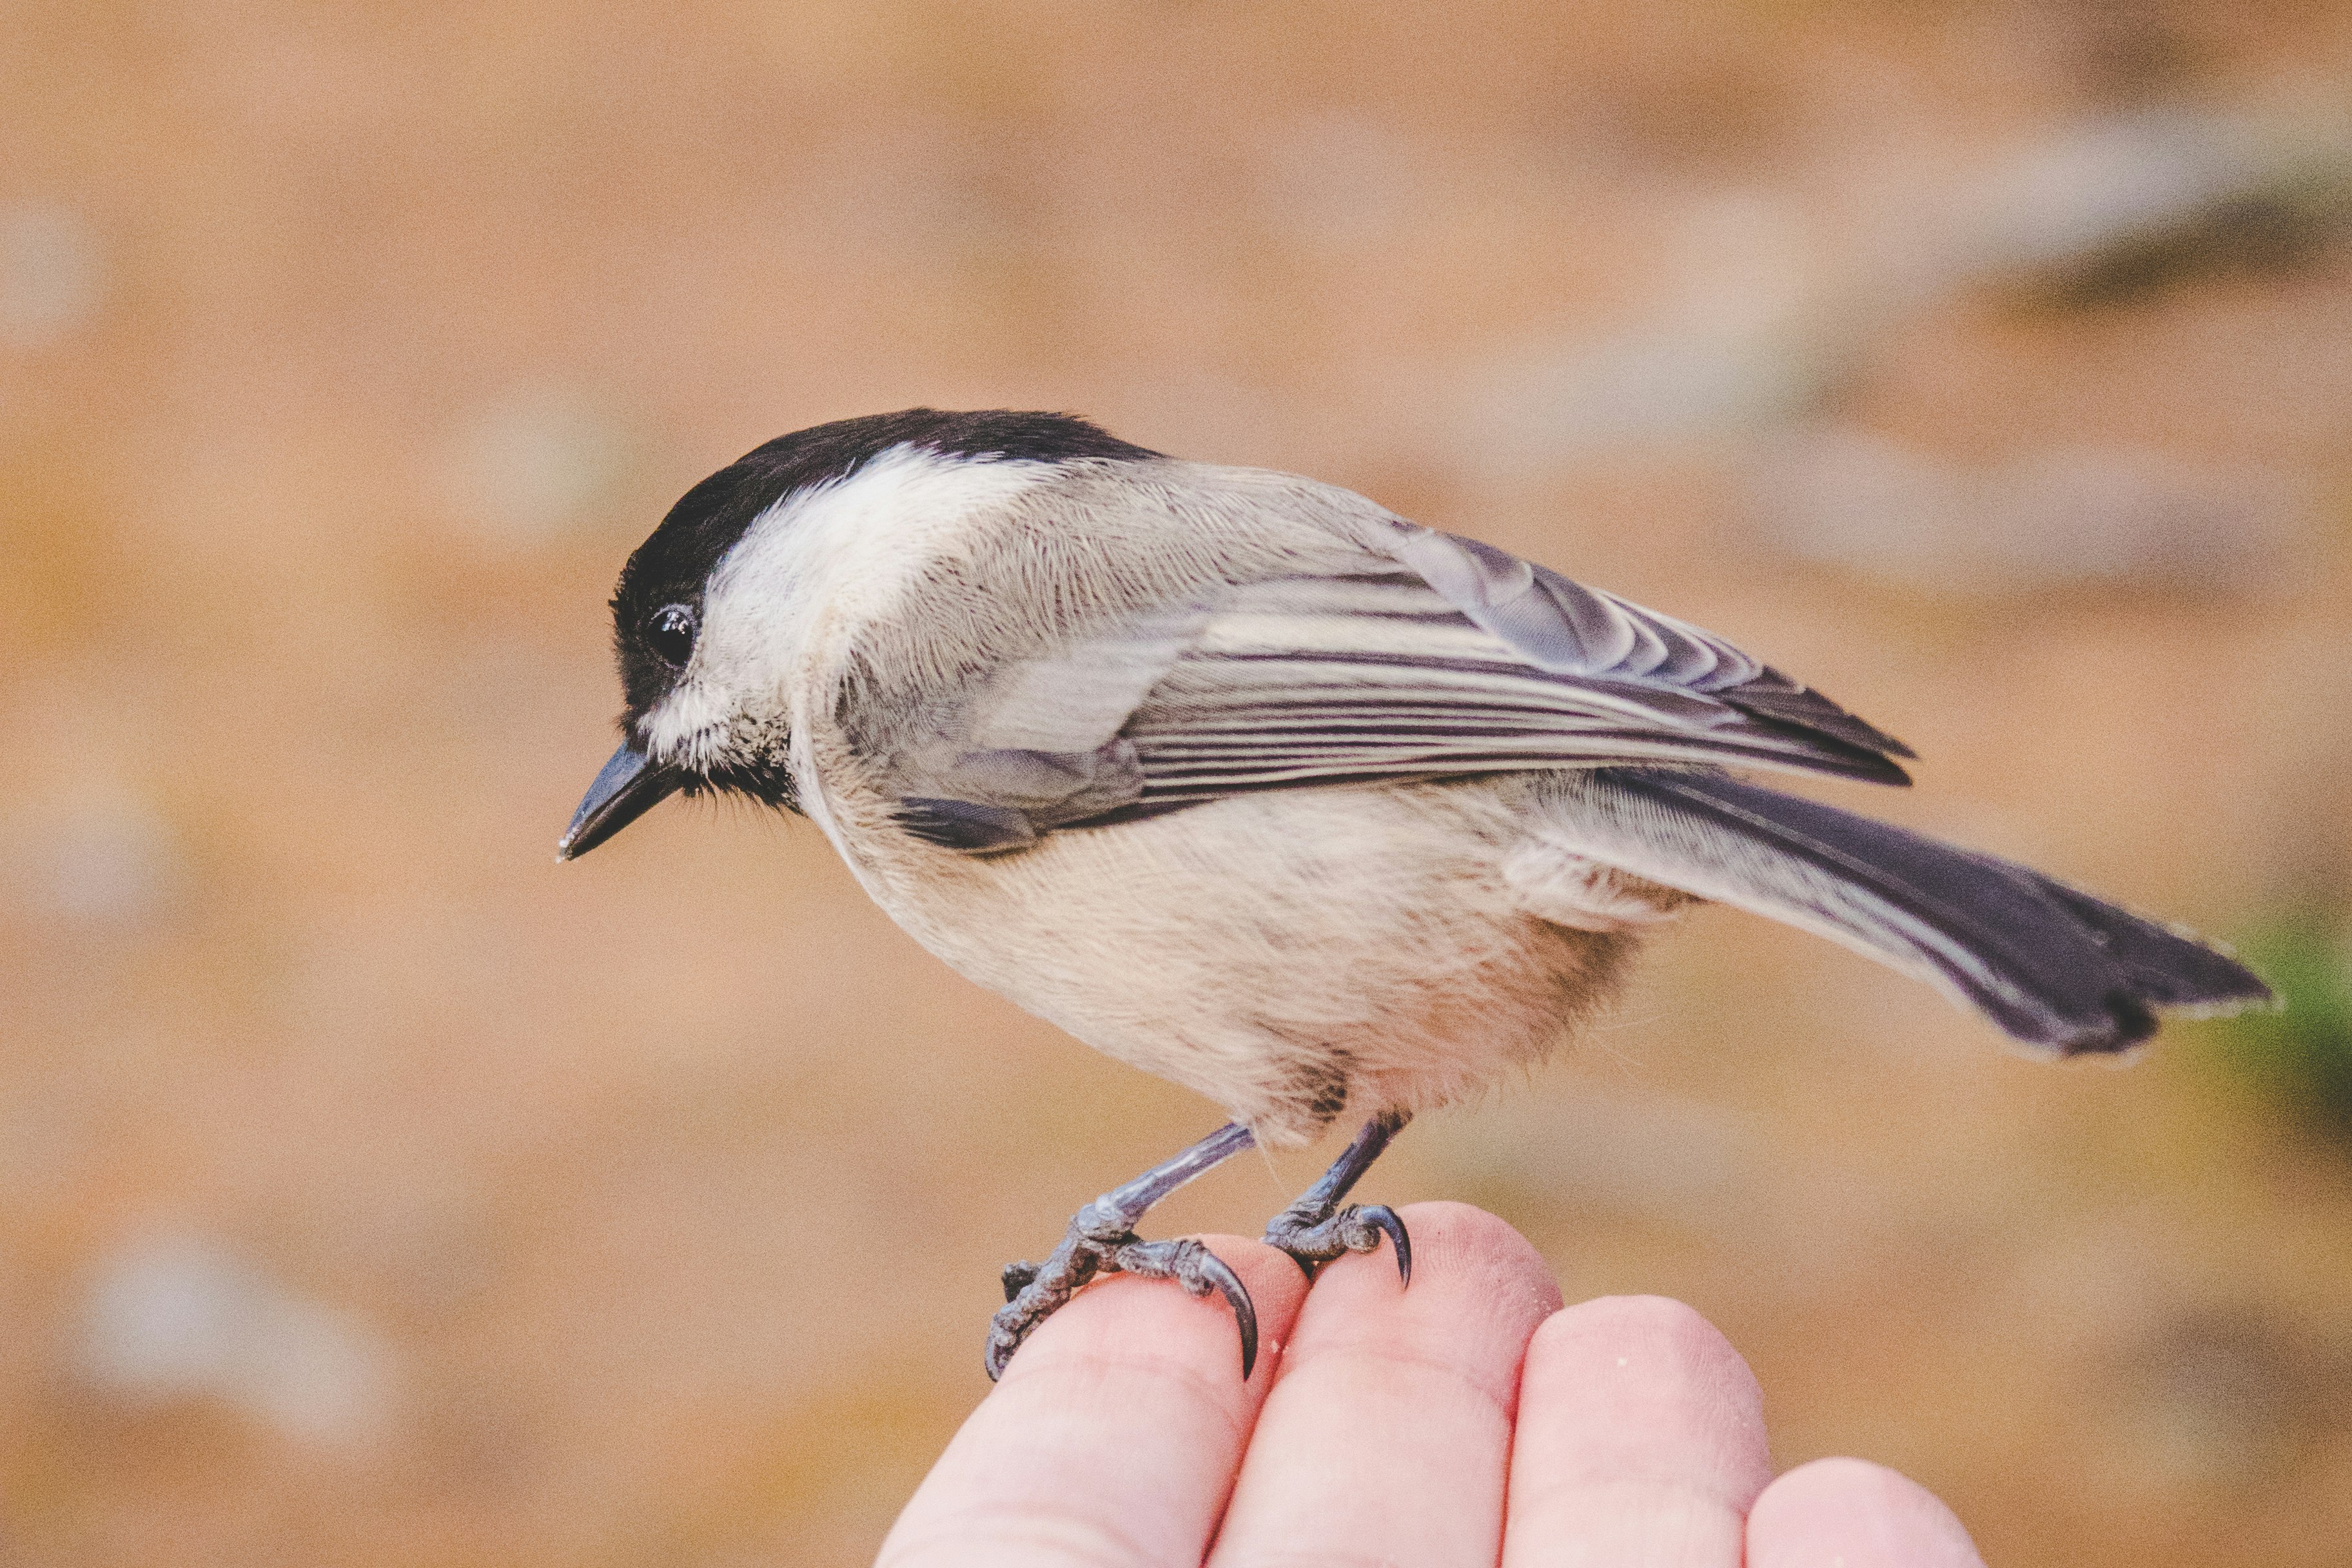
1122,1419
1653,1346
1638,1423
1857,1513
1393,1396
1479,1287
1459,1241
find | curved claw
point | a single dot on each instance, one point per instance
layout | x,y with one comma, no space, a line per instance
1384,1218
1218,1272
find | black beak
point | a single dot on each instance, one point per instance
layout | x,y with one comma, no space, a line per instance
629,786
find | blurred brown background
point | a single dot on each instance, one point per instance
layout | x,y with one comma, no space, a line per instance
374,1191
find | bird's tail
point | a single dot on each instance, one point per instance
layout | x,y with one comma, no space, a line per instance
2055,968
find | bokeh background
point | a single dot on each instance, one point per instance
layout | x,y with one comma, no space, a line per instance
374,1191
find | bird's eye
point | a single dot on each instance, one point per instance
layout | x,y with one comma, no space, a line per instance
670,631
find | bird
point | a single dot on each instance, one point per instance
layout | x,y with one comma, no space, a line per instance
1248,781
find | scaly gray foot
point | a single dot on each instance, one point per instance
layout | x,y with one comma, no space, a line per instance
1313,1233
1102,1240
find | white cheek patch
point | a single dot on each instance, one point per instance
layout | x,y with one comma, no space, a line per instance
811,570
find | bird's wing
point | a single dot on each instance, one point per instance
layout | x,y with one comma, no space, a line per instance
1448,658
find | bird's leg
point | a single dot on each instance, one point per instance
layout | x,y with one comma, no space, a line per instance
1316,1229
1102,1240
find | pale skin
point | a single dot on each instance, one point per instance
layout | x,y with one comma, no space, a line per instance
1471,1419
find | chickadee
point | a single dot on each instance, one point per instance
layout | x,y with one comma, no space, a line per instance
1246,781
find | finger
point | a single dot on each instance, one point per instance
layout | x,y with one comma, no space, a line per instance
1855,1514
1116,1432
1641,1440
1389,1431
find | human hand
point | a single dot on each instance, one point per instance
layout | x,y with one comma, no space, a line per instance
1467,1420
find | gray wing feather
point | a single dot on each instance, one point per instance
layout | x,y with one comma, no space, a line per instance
1494,666
1040,745
1450,657
1079,698
1558,623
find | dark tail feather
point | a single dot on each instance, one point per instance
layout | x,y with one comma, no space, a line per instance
2052,966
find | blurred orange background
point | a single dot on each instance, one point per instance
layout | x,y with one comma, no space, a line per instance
374,1190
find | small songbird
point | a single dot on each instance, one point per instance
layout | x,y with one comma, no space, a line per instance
1242,779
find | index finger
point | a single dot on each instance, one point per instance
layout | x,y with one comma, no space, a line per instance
1114,1434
